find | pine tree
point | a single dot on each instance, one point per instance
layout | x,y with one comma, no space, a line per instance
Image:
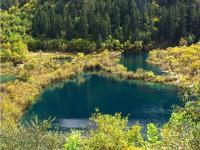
83,26
69,28
118,34
134,16
95,27
108,7
91,14
196,29
59,26
60,6
35,31
108,25
182,26
163,23
52,23
172,24
99,41
115,18
43,22
124,9
126,27
146,20
191,12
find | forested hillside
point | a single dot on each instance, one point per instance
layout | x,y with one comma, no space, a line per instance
147,22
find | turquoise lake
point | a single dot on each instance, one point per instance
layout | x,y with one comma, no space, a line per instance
73,102
133,61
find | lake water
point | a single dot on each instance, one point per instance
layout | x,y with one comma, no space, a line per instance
133,61
73,102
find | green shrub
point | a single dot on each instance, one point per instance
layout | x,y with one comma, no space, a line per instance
112,44
152,133
112,133
47,44
33,44
135,136
57,45
131,47
73,141
81,45
33,136
191,39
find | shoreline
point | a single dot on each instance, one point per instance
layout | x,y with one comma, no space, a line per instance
105,63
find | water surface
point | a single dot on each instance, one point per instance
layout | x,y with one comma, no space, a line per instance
133,61
73,102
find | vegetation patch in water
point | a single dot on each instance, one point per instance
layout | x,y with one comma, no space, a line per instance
6,78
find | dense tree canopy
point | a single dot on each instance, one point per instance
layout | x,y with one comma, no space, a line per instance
15,23
147,20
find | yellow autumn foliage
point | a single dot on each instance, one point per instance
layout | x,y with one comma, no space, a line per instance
182,62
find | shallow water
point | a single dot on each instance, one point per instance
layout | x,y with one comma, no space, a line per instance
6,78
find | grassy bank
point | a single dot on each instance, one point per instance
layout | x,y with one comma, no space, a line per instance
181,63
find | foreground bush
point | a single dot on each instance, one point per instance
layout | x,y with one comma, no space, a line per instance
183,129
108,133
34,136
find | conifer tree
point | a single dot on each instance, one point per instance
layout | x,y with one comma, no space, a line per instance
43,22
52,23
108,25
83,26
59,25
69,28
126,27
162,21
115,18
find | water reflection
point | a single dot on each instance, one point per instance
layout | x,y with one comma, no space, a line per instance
72,101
